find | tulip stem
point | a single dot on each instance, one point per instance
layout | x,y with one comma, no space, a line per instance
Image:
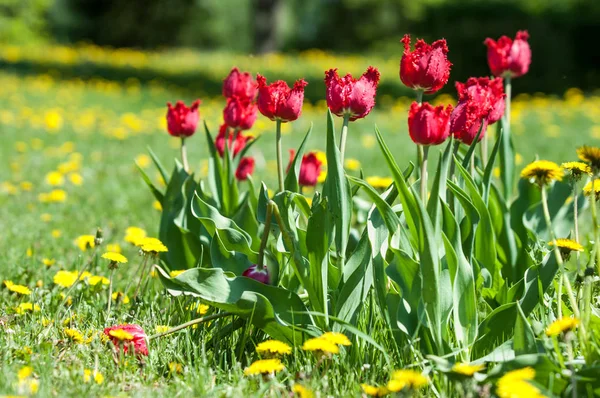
484,151
419,94
279,156
423,152
190,323
184,160
343,137
506,147
265,237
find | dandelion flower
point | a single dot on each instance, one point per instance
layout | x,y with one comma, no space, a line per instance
76,179
175,367
352,164
116,296
568,245
515,384
120,335
115,257
273,347
65,278
374,391
587,190
336,338
27,307
73,335
54,178
46,217
85,242
320,345
24,372
466,369
200,308
162,328
264,366
379,182
542,172
114,247
577,169
406,379
302,391
19,289
134,234
176,273
156,205
151,245
561,326
48,262
96,279
88,374
590,154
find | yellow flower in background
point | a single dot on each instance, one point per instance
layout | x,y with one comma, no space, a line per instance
96,279
379,182
514,384
542,172
176,273
156,204
406,379
302,391
336,338
88,374
85,242
53,121
54,196
48,262
200,308
273,347
561,326
65,278
116,257
21,146
352,164
175,367
322,176
567,245
121,335
55,178
577,169
134,235
143,160
27,307
162,328
590,154
46,217
26,186
76,179
24,372
56,233
74,335
374,391
19,289
116,296
151,245
318,344
114,247
264,366
587,189
466,369
367,141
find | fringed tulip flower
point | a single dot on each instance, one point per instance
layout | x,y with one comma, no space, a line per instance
310,169
239,84
489,93
347,96
128,336
260,274
278,102
239,114
507,57
428,125
181,120
466,120
427,67
245,168
240,141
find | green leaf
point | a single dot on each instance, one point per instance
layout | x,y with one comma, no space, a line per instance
507,158
405,272
291,179
389,216
270,308
489,169
471,151
496,329
157,194
318,240
536,277
215,170
159,166
524,338
337,192
438,189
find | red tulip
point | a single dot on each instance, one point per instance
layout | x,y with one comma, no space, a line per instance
181,120
277,101
487,92
139,338
257,273
240,141
427,67
239,114
245,168
507,57
349,96
428,125
466,120
241,85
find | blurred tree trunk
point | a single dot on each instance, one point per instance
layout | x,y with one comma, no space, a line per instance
266,22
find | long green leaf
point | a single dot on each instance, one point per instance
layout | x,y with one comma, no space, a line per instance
291,179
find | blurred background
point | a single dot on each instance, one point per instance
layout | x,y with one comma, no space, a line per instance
561,32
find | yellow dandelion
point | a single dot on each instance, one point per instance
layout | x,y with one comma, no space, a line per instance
156,205
379,182
74,335
143,160
374,391
48,262
27,307
406,379
152,245
302,391
587,189
121,335
116,296
561,326
175,367
54,178
88,374
46,217
542,172
590,154
466,369
162,328
320,345
19,289
352,164
114,247
26,186
199,308
56,196
567,245
96,279
24,372
134,234
56,233
577,169
115,257
65,278
85,242
322,176
515,384
176,273
76,179
336,338
264,366
273,347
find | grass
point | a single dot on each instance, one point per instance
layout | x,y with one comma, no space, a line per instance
46,122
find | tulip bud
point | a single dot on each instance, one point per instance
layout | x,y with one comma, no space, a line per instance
277,101
507,57
427,67
260,274
349,96
428,125
245,168
239,84
466,120
181,120
240,141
